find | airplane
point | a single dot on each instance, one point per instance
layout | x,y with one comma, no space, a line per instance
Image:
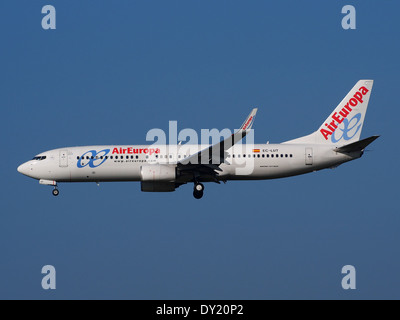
163,168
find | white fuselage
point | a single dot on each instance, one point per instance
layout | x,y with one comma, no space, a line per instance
124,163
163,168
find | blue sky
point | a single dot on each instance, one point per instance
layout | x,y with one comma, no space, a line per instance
113,70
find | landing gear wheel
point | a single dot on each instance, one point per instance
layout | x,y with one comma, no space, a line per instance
198,191
197,194
199,187
56,192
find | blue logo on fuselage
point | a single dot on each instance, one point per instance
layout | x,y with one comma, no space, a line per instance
95,159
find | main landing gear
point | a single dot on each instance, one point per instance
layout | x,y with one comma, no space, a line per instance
198,191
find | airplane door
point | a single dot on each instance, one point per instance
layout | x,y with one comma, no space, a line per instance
64,158
309,157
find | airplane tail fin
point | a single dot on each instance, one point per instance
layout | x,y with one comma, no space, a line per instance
344,124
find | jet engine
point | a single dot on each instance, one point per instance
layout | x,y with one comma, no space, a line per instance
158,178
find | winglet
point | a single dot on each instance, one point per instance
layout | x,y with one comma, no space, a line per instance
216,154
249,121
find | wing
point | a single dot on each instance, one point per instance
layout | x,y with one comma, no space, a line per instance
207,161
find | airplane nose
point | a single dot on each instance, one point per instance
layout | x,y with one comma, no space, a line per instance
23,168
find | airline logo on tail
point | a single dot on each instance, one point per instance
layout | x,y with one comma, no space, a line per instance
341,117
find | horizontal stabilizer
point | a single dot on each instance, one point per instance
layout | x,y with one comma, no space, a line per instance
357,146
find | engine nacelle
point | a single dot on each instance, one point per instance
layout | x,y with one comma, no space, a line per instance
158,178
158,172
150,186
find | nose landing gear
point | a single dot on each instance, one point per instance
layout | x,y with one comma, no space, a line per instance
198,191
50,183
55,192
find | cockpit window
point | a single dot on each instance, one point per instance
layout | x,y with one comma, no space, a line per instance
39,158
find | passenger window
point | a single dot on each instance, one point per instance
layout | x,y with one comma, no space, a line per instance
137,157
111,157
263,155
244,156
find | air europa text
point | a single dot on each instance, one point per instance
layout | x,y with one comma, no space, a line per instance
132,150
337,118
